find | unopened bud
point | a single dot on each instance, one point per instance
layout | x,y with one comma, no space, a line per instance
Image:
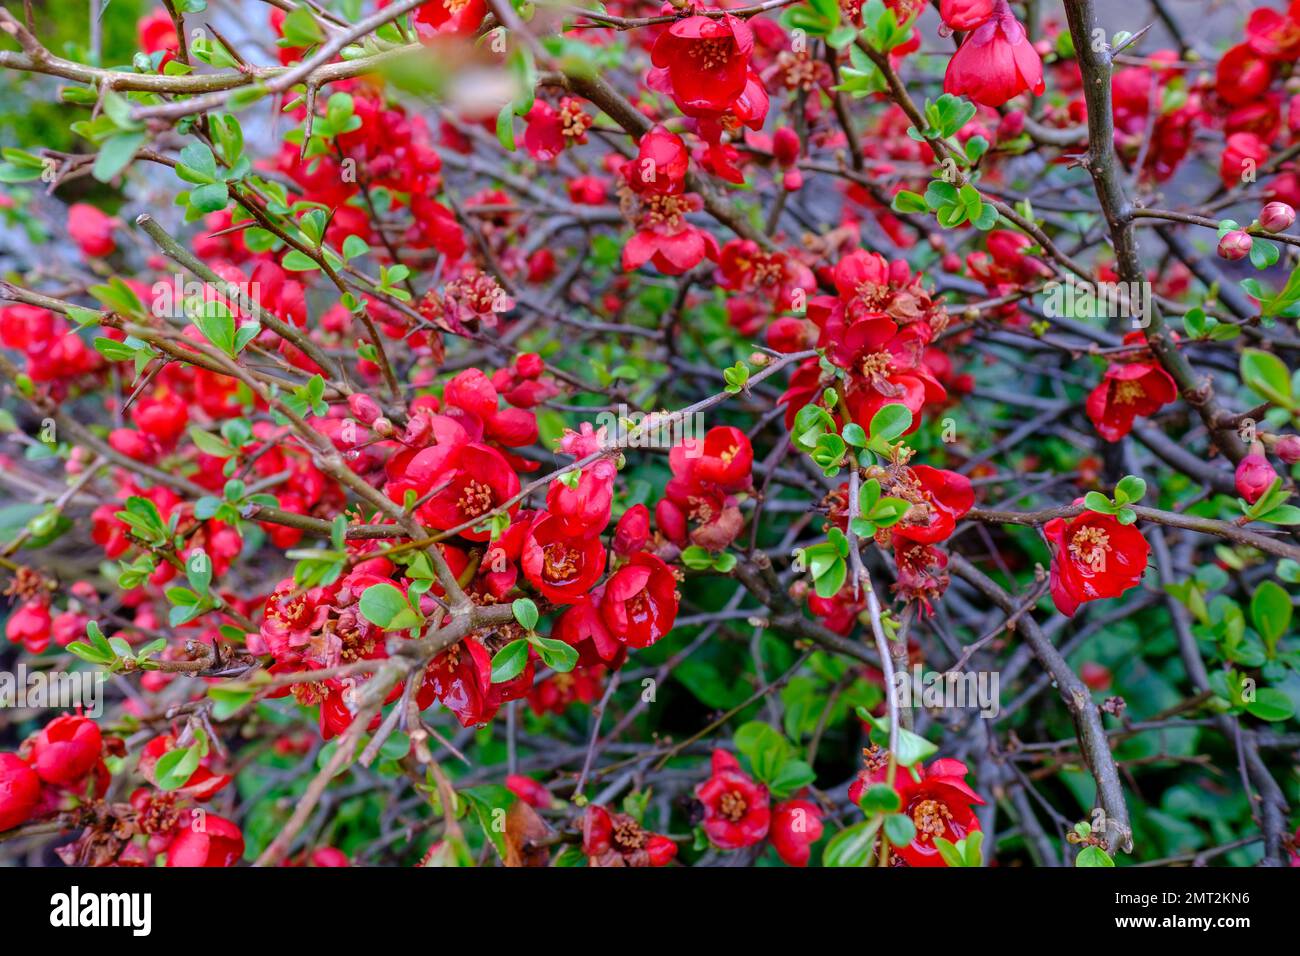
1235,245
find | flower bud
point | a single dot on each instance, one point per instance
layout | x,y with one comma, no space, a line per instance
785,146
1276,217
1235,245
1287,448
67,749
1254,477
632,530
365,408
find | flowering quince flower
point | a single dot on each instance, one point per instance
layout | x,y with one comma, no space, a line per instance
1129,389
639,603
656,179
561,567
1253,477
616,839
632,531
30,624
939,499
737,810
1243,154
92,230
995,62
939,805
1093,556
584,510
218,844
450,16
66,749
1242,75
20,791
156,32
706,60
796,826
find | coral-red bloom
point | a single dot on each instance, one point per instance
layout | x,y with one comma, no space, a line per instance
995,62
940,806
796,826
1126,391
706,60
66,749
1094,556
561,567
640,601
737,810
208,841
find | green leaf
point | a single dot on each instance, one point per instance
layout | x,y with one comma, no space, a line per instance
525,613
1096,501
1271,705
1130,490
890,422
510,661
116,154
1270,612
555,654
1267,375
382,604
880,798
174,768
1093,856
900,829
853,846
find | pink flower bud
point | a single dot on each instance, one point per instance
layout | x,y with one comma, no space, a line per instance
1235,245
365,408
1254,477
1288,448
1276,217
792,181
785,146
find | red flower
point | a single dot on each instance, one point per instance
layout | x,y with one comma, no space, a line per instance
91,230
616,839
632,531
30,625
20,791
471,480
995,62
660,165
796,826
939,498
737,810
157,32
1127,390
1253,477
1243,152
584,510
529,790
724,459
209,841
1094,556
66,749
562,568
452,16
640,601
940,806
1242,75
665,239
706,61
461,679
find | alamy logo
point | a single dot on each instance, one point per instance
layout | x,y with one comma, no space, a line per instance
626,428
934,690
75,909
60,690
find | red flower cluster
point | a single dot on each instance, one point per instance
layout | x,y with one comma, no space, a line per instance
655,196
738,812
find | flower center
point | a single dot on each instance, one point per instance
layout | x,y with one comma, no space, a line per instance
455,6
1128,392
733,806
931,818
560,563
628,836
711,53
1089,546
667,211
875,364
475,498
